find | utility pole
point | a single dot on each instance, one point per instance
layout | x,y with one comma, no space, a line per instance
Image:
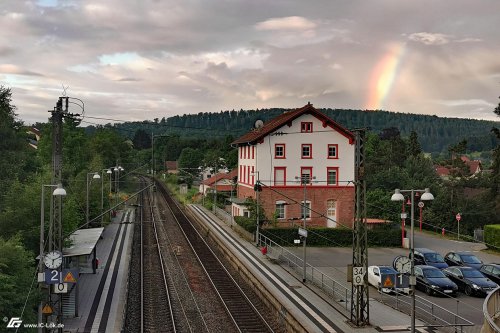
55,232
360,315
55,228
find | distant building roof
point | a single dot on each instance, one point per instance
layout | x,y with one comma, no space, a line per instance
171,165
83,242
442,171
272,125
219,176
474,166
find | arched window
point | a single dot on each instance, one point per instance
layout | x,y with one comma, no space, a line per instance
331,213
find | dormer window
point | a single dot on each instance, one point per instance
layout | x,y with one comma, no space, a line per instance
306,127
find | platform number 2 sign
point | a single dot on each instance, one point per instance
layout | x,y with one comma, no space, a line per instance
358,276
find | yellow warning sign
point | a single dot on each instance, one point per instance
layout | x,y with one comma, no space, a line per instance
47,309
388,282
69,278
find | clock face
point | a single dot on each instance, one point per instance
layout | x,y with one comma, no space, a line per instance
53,259
402,264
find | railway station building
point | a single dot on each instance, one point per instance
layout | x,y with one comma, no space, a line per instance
300,156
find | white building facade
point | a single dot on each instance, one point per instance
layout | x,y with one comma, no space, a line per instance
299,144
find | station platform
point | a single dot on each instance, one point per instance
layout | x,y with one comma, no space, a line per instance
316,311
102,296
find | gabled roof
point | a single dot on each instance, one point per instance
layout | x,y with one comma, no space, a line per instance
442,171
215,178
272,125
474,166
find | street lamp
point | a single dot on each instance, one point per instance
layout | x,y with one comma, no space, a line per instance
109,172
59,191
426,196
215,183
257,188
95,175
304,179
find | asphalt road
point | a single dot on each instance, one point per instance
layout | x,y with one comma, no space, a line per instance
334,261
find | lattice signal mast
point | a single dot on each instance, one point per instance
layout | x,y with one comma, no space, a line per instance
360,315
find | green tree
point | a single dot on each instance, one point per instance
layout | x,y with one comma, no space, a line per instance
414,148
14,150
16,276
190,158
141,140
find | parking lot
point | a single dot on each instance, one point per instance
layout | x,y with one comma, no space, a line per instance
334,261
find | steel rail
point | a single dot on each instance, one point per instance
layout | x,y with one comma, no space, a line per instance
192,235
162,266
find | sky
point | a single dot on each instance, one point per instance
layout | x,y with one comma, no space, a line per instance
135,60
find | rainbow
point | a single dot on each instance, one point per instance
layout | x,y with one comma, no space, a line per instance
383,76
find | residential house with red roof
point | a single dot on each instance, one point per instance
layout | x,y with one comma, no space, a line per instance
299,144
220,182
473,168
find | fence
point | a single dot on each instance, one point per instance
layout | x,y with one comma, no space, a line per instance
338,291
434,314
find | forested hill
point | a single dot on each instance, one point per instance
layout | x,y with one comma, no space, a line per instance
435,134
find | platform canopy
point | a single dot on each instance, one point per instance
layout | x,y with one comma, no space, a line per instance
83,242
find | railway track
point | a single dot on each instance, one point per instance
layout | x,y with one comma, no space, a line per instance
243,313
156,305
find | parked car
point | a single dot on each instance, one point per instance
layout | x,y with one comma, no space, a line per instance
491,271
432,280
425,256
463,259
470,280
375,279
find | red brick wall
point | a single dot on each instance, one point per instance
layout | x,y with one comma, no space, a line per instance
318,197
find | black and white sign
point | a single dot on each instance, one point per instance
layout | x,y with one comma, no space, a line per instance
61,288
358,276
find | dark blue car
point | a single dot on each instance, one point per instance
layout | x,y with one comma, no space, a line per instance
463,259
432,281
425,256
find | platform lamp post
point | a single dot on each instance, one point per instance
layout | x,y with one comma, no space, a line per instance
95,175
257,188
117,169
59,191
109,172
426,196
215,183
304,179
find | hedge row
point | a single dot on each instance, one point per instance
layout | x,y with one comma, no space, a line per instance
334,237
384,237
492,235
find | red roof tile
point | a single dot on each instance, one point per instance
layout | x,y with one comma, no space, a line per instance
442,171
215,178
272,125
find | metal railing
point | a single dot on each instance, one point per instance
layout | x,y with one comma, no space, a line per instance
491,311
433,314
339,292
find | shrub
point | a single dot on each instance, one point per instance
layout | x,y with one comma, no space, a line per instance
492,235
333,237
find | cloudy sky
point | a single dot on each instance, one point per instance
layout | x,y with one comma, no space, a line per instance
142,59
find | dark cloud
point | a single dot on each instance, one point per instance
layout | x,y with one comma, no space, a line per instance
131,59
